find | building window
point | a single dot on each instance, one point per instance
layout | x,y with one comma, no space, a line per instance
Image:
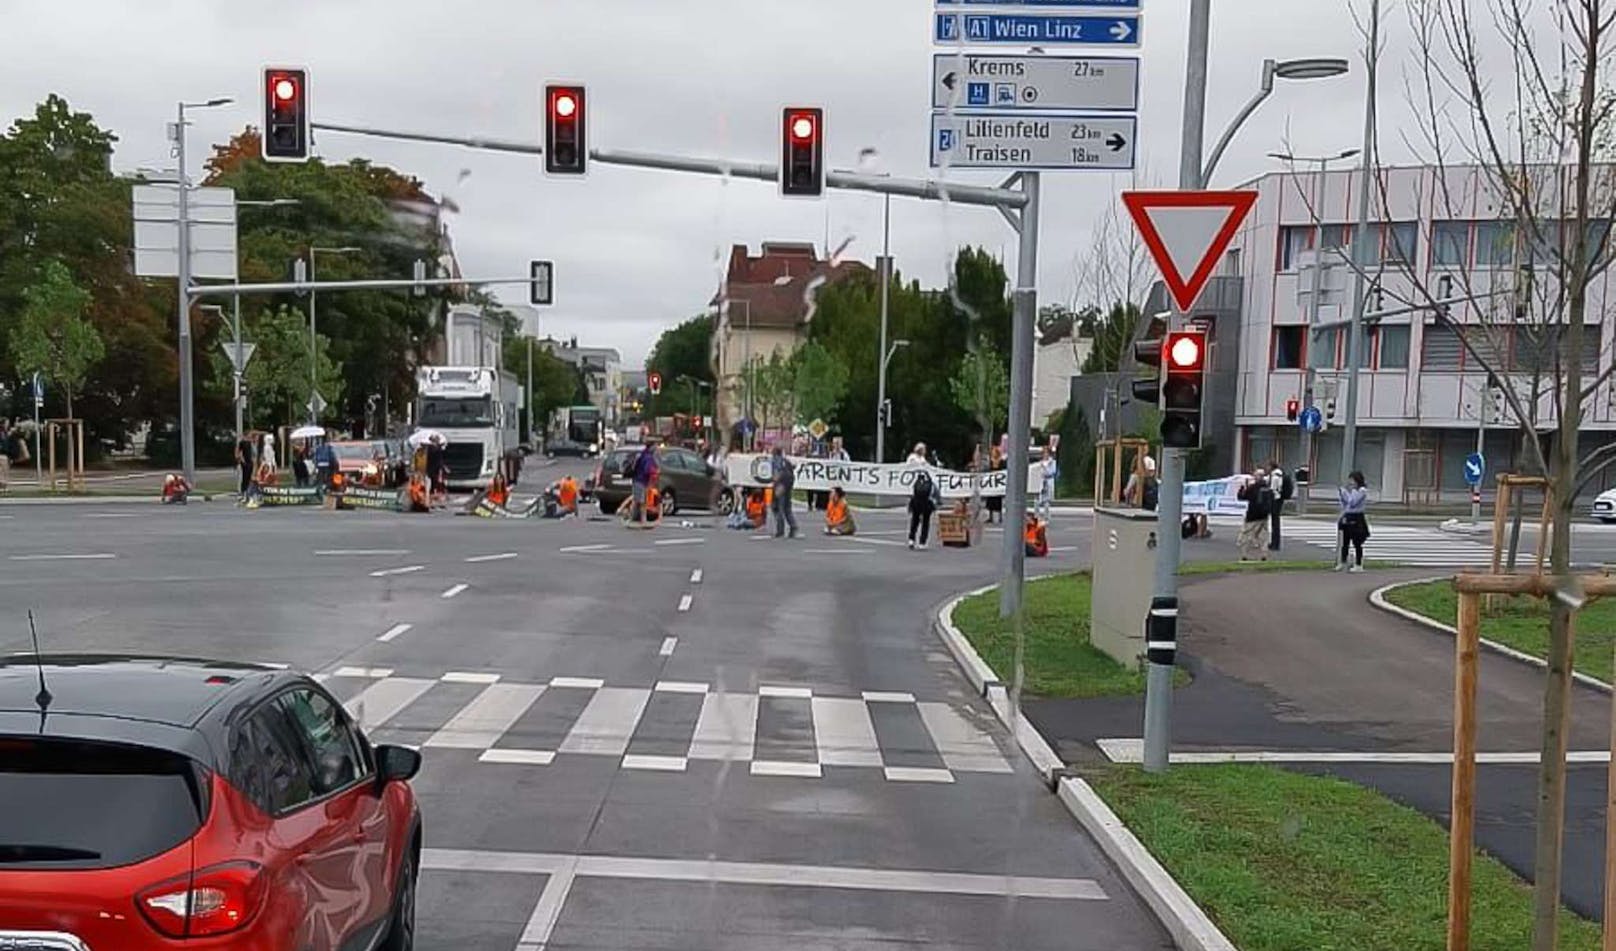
1450,244
1442,349
1398,242
1495,243
1231,262
1335,237
1293,240
1390,346
1288,347
1324,349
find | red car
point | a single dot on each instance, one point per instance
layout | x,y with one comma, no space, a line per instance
151,803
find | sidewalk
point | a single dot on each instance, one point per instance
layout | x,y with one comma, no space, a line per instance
1303,663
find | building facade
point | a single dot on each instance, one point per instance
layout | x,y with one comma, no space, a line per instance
1422,398
602,369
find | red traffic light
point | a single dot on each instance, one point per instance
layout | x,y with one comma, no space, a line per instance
1184,351
1293,409
564,104
802,143
802,126
285,88
655,383
286,114
566,150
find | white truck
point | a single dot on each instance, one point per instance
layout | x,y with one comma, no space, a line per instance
476,410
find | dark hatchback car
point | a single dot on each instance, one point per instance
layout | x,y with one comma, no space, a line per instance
686,481
151,803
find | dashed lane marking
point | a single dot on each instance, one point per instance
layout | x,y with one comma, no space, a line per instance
389,572
359,552
454,591
680,541
374,673
684,602
668,644
573,549
469,677
695,576
393,632
502,556
98,556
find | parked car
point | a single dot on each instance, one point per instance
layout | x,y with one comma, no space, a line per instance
1605,506
363,461
155,802
686,481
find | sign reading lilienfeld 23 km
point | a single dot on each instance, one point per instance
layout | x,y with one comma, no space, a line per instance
1032,141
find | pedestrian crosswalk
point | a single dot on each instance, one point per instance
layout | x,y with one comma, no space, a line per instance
778,730
1405,544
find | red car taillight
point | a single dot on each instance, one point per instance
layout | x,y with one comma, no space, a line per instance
216,900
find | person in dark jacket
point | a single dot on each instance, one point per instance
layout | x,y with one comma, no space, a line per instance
783,479
1258,497
244,465
922,503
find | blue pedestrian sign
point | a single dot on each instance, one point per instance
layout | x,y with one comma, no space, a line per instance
38,387
1475,466
1311,419
1055,29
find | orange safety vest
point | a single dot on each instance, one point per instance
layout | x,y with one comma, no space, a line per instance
418,494
1037,538
755,507
568,493
836,512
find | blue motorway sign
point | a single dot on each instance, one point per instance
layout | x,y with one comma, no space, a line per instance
1132,6
1311,419
1475,466
1054,29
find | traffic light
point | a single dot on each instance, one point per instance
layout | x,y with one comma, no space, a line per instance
1147,386
1293,409
1183,386
286,115
566,152
541,291
1329,408
654,380
802,151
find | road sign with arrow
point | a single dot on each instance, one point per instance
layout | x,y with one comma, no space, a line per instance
1024,29
1014,81
1029,141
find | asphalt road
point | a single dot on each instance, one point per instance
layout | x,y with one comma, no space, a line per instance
681,738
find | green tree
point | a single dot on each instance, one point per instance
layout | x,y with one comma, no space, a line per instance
1113,333
773,381
53,337
277,378
555,381
981,387
820,382
684,350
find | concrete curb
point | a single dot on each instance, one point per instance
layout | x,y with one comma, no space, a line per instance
1190,927
1377,598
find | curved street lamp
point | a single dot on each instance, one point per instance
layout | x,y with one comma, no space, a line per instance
1293,69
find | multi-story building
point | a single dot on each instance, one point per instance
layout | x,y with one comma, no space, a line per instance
602,369
1421,396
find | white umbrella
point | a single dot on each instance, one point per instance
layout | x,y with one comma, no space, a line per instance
423,436
308,432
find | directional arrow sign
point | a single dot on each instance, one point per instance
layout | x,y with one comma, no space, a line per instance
1029,141
1021,29
229,349
1311,419
978,80
1475,466
1187,232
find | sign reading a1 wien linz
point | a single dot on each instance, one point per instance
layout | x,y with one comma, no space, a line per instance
1010,81
1029,141
1050,29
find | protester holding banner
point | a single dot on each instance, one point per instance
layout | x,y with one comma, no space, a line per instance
995,503
1253,539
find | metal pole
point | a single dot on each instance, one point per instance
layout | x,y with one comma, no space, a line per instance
314,346
1360,249
530,390
881,380
1021,340
1312,322
235,332
1482,399
1161,631
183,246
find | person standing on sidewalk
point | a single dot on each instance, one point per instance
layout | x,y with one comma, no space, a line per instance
244,464
1254,531
6,439
1048,470
1280,484
922,502
783,478
1354,523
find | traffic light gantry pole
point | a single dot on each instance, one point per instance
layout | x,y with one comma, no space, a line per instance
1016,199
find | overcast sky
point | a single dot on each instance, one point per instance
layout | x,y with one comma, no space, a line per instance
637,251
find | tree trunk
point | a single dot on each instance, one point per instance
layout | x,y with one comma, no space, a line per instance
1552,775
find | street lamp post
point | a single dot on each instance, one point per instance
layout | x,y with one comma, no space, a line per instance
1360,250
1192,176
886,290
882,416
1309,373
314,341
183,293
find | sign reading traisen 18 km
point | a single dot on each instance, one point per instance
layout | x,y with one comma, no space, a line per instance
1029,141
1049,29
993,81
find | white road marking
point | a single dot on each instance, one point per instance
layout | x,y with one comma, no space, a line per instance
393,632
112,515
98,556
695,576
917,774
454,591
374,673
570,549
684,602
680,541
388,572
519,757
482,721
680,686
588,683
334,552
469,677
759,873
273,664
877,541
607,722
1063,548
769,767
725,727
771,690
668,644
548,910
382,700
1128,750
888,696
837,551
665,764
844,733
502,556
962,746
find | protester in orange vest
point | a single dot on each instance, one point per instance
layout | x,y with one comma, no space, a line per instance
420,496
175,489
757,506
498,492
838,520
567,495
1036,536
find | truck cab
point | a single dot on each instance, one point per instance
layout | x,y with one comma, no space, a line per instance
476,410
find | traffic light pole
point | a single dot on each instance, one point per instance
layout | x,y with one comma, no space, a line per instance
1161,625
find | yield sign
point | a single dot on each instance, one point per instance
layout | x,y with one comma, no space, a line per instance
1187,232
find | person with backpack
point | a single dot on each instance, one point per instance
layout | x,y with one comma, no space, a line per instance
922,502
644,475
1259,502
1283,487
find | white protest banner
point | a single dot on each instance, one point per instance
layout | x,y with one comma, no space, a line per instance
1215,497
870,478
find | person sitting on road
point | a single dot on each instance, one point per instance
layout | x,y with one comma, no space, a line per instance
499,493
1036,536
175,489
838,519
567,495
420,498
